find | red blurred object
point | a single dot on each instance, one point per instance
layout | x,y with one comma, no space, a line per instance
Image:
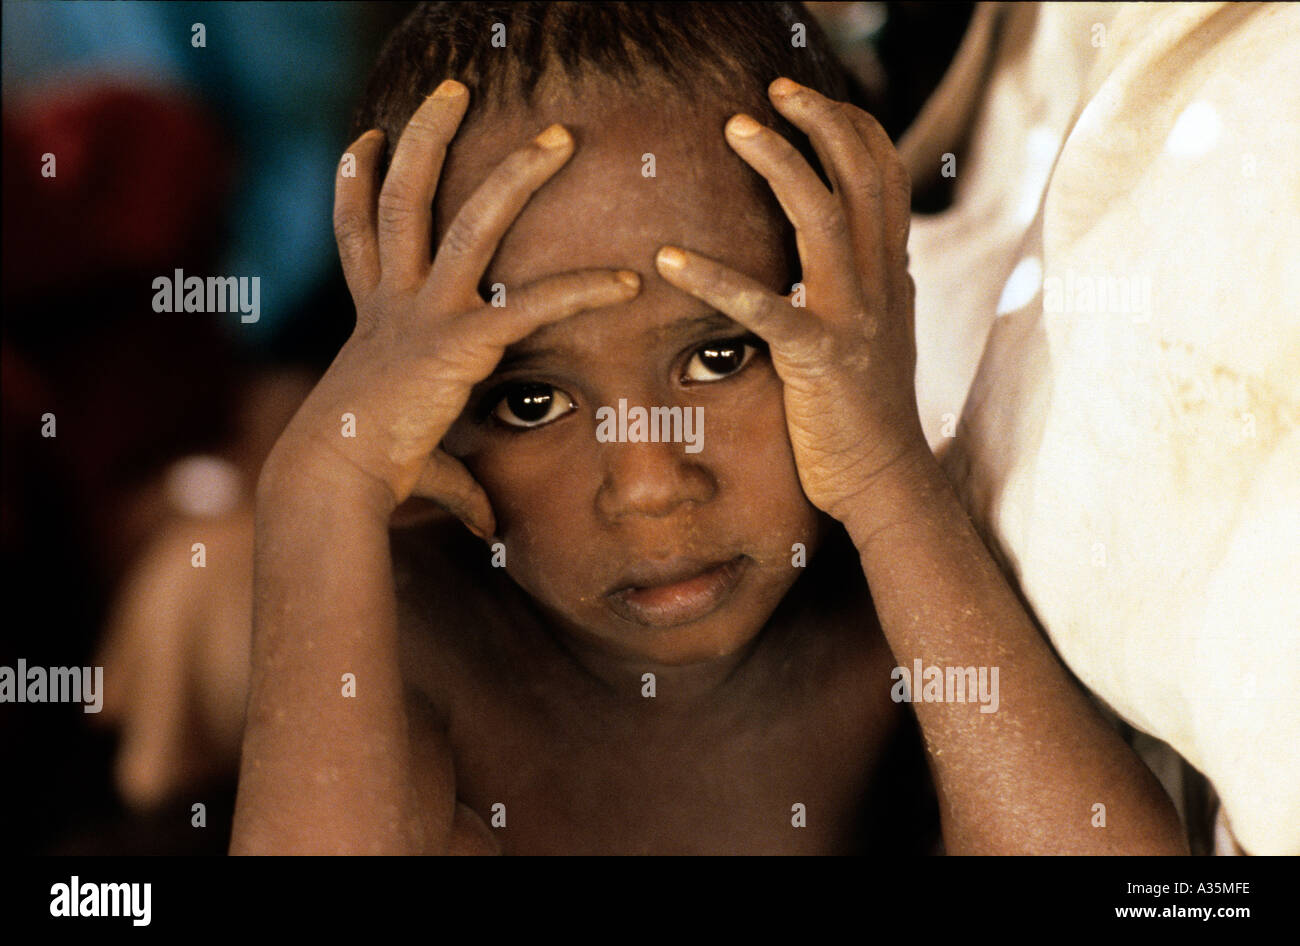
141,178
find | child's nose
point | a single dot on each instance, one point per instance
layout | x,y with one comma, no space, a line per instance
650,480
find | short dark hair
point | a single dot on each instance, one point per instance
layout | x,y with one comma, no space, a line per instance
723,51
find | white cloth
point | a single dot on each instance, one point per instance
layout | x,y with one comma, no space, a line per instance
1122,263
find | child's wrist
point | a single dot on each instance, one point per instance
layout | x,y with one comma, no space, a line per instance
293,475
899,492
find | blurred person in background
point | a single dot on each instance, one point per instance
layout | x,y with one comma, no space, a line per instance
210,151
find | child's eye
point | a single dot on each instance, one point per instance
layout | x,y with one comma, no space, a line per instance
532,404
717,360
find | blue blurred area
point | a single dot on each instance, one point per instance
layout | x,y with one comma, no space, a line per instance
281,77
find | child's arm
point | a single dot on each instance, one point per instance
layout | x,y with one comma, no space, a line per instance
1025,777
331,761
324,772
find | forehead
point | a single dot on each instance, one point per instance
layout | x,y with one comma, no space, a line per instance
603,209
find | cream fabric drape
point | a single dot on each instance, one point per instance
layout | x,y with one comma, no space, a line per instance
1112,309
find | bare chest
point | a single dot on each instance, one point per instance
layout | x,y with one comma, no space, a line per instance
788,775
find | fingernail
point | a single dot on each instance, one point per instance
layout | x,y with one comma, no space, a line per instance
628,278
449,88
557,136
671,257
742,126
784,87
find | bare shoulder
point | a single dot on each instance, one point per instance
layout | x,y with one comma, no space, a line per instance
447,606
445,603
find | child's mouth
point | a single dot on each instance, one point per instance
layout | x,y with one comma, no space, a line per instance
677,595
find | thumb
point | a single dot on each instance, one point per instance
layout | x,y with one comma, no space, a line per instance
445,480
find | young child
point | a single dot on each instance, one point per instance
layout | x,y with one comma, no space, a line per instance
666,646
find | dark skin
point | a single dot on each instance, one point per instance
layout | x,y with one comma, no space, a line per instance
533,698
584,767
706,765
636,503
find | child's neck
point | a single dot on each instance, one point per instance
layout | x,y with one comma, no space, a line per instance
677,688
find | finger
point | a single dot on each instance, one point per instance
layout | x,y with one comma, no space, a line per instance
147,766
144,610
414,511
897,189
769,316
405,208
850,166
472,238
821,227
824,122
484,334
114,655
446,481
354,212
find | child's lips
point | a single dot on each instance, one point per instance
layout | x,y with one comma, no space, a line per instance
678,594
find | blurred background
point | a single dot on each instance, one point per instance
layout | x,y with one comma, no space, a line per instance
200,137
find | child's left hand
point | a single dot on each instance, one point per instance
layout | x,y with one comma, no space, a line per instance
847,357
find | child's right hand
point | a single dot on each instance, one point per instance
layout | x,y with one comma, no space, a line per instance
424,337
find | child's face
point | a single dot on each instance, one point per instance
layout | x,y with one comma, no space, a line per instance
590,527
